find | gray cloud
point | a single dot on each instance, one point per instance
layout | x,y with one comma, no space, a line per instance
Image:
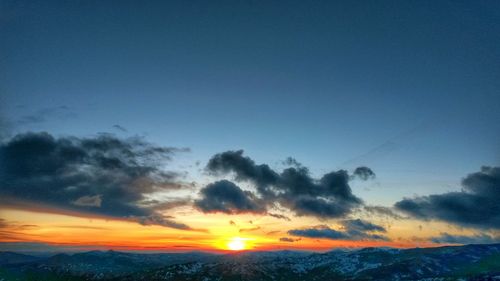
383,211
120,128
363,173
361,225
319,232
157,219
90,201
226,197
249,229
288,239
169,203
447,238
290,161
327,197
244,168
278,216
103,175
352,230
477,205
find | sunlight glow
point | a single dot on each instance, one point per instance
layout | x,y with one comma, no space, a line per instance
236,244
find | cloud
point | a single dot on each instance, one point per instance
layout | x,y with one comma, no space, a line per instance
290,161
317,207
244,168
475,206
120,128
447,238
363,173
3,223
383,211
362,225
90,201
169,203
157,219
288,239
226,197
319,232
82,227
294,188
249,229
102,175
351,230
278,216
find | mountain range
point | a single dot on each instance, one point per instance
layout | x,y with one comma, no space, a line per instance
468,262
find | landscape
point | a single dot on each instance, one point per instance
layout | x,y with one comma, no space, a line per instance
249,140
471,262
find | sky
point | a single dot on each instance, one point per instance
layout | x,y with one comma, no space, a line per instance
194,125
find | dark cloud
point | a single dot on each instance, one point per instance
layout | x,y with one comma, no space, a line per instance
382,211
351,230
294,188
249,229
278,216
317,207
288,239
13,225
102,175
244,168
120,128
168,204
477,205
319,232
157,219
447,238
363,173
362,225
290,161
226,197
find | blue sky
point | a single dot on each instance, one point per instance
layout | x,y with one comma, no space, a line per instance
410,89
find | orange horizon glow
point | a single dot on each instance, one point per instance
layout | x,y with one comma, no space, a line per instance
253,233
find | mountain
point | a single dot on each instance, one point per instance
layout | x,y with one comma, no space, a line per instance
470,262
95,265
15,258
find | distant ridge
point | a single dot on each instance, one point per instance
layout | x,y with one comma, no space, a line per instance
468,262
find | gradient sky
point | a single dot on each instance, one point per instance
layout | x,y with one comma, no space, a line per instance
410,89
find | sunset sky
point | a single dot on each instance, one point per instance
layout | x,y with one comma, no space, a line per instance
255,125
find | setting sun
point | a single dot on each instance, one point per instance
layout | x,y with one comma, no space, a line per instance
236,244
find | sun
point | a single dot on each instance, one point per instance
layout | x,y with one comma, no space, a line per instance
236,244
